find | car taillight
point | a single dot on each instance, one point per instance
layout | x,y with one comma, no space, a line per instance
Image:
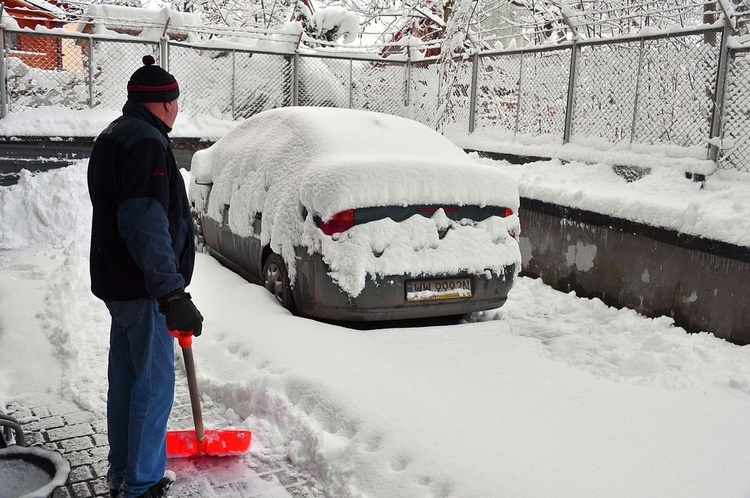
339,222
513,233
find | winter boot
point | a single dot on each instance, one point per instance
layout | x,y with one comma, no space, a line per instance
161,488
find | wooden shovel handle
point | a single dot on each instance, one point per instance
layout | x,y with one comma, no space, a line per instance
195,401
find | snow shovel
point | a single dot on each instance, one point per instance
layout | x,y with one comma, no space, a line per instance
186,443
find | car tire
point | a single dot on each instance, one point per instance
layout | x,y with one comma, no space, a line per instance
198,239
276,280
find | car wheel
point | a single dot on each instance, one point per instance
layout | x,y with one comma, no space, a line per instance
276,280
199,240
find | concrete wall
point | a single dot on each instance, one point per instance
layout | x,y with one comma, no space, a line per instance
704,285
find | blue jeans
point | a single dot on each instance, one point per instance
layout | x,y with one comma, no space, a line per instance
141,390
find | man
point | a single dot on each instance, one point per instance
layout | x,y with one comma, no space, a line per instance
141,260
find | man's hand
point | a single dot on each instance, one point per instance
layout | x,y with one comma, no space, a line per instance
181,313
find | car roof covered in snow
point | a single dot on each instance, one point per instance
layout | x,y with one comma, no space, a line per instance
332,159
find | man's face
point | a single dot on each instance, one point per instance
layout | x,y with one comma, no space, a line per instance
171,109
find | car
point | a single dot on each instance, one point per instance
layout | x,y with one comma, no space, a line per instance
352,215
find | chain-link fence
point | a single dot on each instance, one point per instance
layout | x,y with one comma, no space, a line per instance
656,90
230,84
735,151
604,92
678,77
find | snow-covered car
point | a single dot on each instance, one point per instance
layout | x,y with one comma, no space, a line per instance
356,215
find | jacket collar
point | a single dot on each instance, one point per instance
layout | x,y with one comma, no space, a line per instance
136,110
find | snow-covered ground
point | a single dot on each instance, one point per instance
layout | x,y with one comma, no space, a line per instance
550,395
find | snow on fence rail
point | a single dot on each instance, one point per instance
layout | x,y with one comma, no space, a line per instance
642,90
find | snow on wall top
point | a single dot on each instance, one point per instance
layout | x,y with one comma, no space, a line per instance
114,13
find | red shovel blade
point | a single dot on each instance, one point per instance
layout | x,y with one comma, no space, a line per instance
215,442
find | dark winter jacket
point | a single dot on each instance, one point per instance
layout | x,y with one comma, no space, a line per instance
142,232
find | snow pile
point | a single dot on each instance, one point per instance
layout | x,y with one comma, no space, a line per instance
38,211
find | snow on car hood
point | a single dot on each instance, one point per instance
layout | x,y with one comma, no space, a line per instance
291,162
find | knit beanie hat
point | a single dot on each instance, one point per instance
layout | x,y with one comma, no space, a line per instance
151,83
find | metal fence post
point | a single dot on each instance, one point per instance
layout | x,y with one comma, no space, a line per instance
351,82
637,95
91,72
234,84
721,78
295,79
407,90
164,52
572,80
3,76
518,100
473,95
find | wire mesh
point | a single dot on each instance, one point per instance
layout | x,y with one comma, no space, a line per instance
229,84
544,93
497,92
455,93
379,86
262,82
114,63
46,71
604,92
324,82
424,83
735,152
205,78
675,92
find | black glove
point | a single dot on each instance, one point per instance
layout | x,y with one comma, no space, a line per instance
181,313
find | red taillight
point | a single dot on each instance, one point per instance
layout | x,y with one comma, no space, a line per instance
339,222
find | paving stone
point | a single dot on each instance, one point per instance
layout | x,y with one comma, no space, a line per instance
80,417
76,444
61,493
33,438
100,426
100,468
78,458
101,440
41,411
62,407
82,473
99,453
52,422
81,490
100,487
20,413
70,431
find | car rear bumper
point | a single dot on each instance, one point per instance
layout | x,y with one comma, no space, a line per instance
384,298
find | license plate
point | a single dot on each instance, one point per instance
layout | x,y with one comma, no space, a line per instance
436,289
